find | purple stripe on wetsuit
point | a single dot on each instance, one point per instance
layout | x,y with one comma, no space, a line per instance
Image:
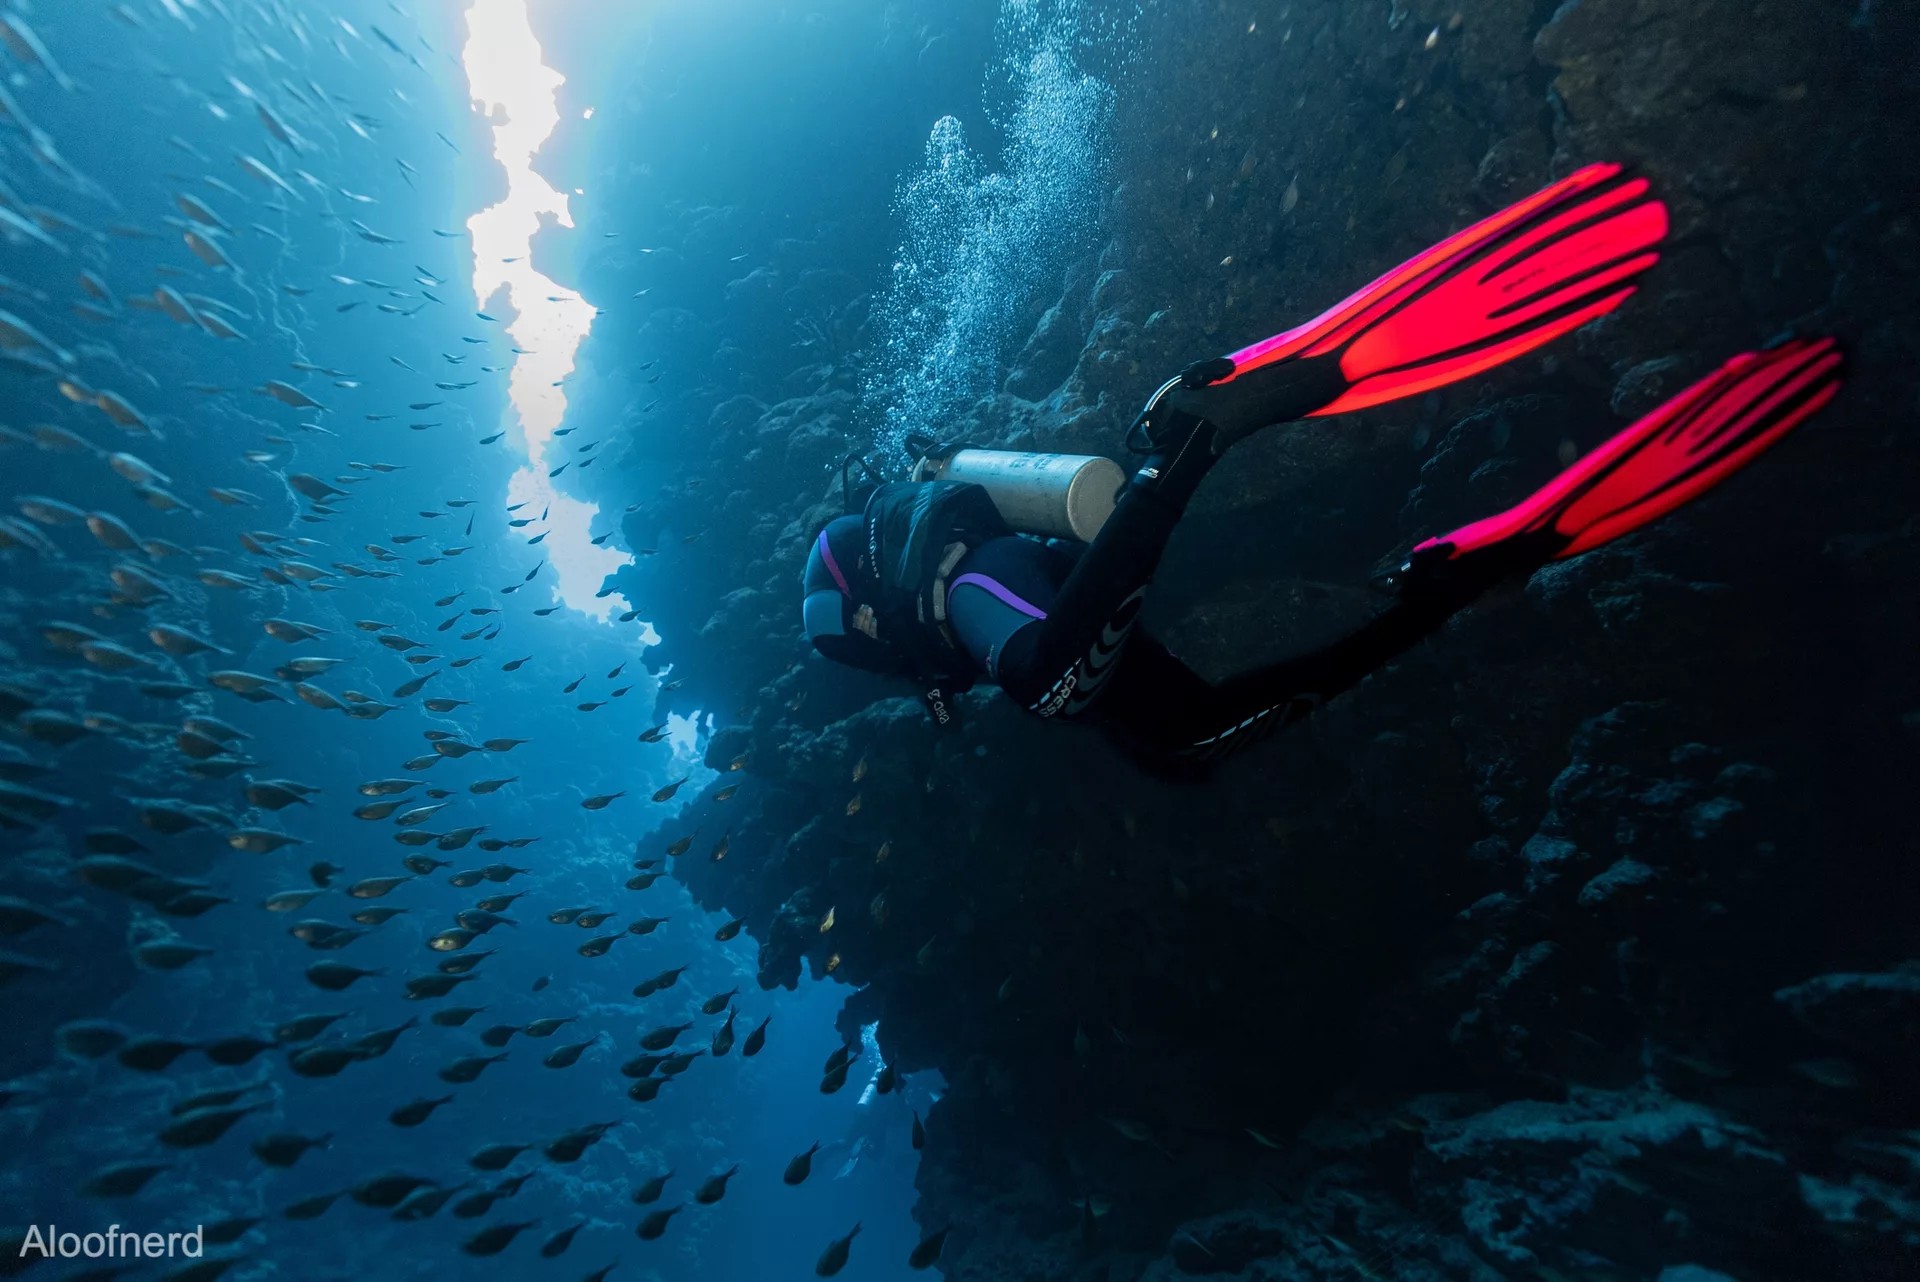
1000,592
833,566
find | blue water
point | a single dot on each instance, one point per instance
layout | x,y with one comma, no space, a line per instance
169,75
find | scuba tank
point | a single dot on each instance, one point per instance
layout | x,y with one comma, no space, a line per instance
1061,496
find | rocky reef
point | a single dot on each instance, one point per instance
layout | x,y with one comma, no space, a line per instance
1577,944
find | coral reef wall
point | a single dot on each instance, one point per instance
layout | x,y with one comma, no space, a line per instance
1579,943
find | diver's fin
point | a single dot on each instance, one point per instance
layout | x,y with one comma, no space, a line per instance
1504,286
1674,453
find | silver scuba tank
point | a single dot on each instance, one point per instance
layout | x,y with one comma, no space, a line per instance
1061,496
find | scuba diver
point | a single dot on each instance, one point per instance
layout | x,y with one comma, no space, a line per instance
932,581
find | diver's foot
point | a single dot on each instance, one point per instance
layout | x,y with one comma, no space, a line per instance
1538,269
1668,456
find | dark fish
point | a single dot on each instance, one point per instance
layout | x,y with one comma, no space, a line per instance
466,1070
323,1061
565,1056
310,1208
452,940
204,1127
424,1204
475,1205
674,1065
496,1157
376,1044
376,887
718,1002
455,1016
834,1258
122,1179
929,1250
656,1223
304,1028
210,1099
191,904
647,1089
111,841
417,1112
492,1241
228,1231
802,1166
335,976
386,1191
641,1065
661,1038
424,987
649,1193
559,1242
571,1146
283,1149
715,1188
152,1054
723,1040
756,1039
231,1052
90,1038
461,965
481,921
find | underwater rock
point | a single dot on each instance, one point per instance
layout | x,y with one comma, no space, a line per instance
1523,944
1876,1014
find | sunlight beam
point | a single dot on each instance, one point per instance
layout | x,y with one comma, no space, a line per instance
509,83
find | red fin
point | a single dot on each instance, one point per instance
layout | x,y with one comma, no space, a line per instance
1504,286
1678,451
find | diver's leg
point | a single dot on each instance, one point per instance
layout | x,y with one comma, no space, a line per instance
1159,705
1676,452
1504,286
1249,707
1058,665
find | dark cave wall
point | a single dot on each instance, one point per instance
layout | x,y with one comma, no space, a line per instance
1577,944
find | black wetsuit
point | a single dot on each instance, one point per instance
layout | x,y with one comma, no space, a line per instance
1058,632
